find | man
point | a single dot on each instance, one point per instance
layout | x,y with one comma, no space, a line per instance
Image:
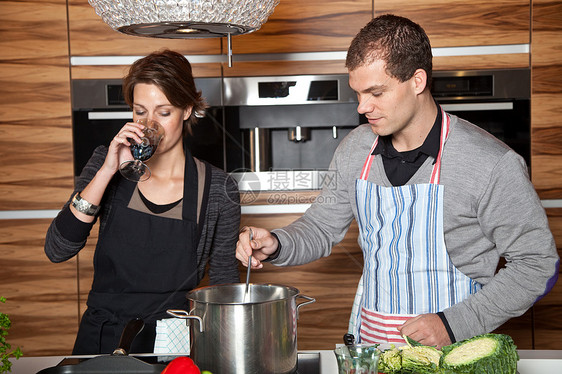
437,200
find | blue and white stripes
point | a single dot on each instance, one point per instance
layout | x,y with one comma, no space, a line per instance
407,270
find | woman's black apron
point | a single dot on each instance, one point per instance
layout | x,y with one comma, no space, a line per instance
143,265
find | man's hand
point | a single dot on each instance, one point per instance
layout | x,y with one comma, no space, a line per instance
427,329
262,245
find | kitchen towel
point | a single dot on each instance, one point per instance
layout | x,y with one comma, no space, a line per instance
172,336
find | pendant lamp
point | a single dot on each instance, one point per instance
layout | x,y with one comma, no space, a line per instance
183,19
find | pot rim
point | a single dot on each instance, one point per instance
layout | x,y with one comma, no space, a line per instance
293,291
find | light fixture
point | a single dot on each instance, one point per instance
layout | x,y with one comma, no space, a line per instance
180,19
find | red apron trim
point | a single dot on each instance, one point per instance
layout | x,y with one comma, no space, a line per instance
374,338
381,328
445,122
369,161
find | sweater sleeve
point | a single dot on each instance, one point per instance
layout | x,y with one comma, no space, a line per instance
223,266
511,216
67,235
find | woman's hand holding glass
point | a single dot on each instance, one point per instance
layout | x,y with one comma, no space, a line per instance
142,148
120,150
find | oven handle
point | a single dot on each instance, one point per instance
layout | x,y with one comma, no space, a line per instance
110,115
466,107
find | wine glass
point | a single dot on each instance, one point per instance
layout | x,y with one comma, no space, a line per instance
136,170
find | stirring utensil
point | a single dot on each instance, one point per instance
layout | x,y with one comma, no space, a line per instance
249,266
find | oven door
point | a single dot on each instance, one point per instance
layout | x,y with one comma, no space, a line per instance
92,128
507,120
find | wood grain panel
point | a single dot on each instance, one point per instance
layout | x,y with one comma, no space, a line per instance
119,71
42,296
548,328
546,96
546,28
36,170
33,28
503,61
332,281
465,23
305,26
34,105
90,36
520,329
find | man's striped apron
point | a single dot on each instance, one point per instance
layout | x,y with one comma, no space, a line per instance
407,269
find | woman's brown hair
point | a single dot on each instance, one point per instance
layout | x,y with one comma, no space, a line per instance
171,73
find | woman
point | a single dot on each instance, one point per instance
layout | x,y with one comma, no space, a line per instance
157,236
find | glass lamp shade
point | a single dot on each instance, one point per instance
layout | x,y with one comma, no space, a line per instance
181,19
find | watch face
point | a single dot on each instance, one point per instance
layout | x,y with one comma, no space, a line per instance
84,207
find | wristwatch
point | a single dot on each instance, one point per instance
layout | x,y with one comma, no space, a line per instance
84,206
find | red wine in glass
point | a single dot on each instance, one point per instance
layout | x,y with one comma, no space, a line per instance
136,170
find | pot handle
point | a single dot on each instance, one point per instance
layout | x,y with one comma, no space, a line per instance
185,315
310,301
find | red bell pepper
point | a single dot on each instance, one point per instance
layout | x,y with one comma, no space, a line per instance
181,365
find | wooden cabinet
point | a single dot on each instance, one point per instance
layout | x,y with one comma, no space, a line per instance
298,26
307,26
546,148
546,99
35,106
41,296
547,312
461,23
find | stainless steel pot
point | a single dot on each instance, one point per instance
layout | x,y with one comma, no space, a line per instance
233,336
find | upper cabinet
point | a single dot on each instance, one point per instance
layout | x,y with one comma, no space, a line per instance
546,99
466,23
453,23
35,105
307,26
298,26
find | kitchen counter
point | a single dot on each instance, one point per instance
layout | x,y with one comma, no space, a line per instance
531,362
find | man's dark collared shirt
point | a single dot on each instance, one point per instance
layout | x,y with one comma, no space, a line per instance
401,166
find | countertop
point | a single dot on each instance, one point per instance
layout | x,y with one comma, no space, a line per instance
531,362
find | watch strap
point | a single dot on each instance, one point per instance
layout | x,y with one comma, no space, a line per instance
83,206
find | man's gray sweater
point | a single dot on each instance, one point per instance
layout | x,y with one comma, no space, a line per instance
491,210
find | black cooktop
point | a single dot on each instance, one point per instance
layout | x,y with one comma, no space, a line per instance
307,363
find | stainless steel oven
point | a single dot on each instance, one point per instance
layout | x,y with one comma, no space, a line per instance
296,122
495,100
